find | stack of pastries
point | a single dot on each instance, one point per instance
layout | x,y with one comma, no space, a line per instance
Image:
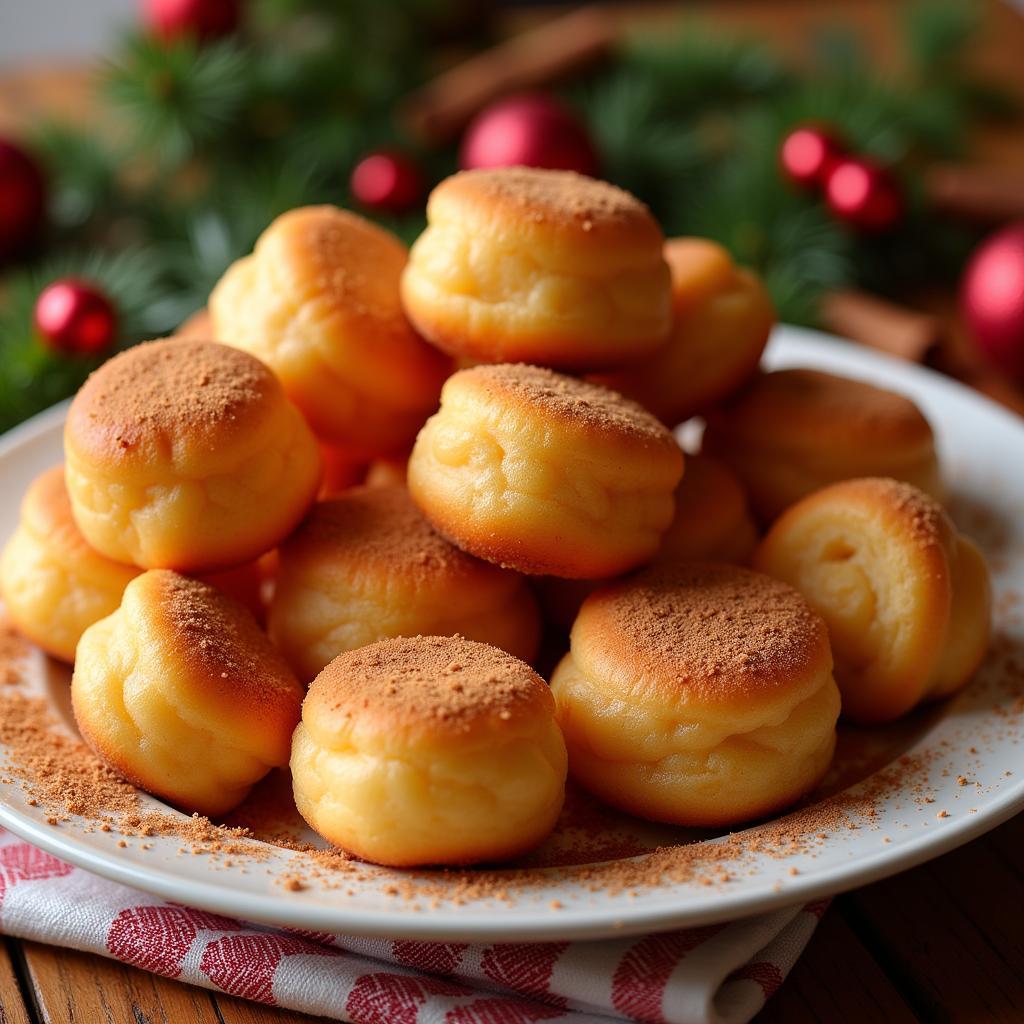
327,525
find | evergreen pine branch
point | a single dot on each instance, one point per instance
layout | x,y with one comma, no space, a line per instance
177,96
936,33
81,173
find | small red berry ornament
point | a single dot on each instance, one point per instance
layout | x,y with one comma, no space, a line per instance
200,19
863,194
992,299
532,130
808,154
387,181
75,318
22,199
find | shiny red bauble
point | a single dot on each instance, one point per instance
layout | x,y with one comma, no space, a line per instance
199,19
531,130
388,181
992,299
75,318
22,199
864,194
808,154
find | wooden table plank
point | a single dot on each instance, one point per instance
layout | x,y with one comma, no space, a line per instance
836,980
80,988
12,1003
951,933
87,989
238,1011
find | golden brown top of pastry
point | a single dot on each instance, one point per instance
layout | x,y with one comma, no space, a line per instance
699,268
218,641
377,528
354,263
924,517
426,687
569,399
808,408
46,507
147,399
709,490
702,632
561,199
918,517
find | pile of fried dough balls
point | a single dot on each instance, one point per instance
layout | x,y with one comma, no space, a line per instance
328,524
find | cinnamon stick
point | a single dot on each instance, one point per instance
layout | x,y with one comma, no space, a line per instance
437,112
976,192
880,324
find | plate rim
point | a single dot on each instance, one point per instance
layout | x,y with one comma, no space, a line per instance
536,924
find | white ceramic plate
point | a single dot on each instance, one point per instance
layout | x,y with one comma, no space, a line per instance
961,771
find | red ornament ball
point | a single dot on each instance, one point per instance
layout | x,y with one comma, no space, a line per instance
200,19
387,181
864,194
992,299
531,130
808,154
75,318
22,198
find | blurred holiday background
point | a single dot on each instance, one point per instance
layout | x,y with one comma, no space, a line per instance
865,157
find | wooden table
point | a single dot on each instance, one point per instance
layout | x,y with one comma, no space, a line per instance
944,942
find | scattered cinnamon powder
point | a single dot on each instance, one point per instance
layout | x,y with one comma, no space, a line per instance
379,530
555,197
61,776
587,405
13,650
169,389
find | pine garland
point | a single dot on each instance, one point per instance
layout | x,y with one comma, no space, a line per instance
213,141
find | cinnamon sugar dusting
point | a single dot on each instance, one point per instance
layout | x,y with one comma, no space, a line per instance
710,631
167,389
593,848
379,525
920,513
811,409
546,195
568,398
448,684
220,635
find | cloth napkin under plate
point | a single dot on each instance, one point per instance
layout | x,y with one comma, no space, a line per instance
719,974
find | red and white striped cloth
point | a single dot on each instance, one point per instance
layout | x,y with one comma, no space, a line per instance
720,974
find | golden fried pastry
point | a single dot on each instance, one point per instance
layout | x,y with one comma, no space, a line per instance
431,750
318,302
197,327
367,566
793,431
721,318
544,473
183,695
187,455
906,597
341,471
546,267
388,472
697,694
712,523
244,583
54,584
